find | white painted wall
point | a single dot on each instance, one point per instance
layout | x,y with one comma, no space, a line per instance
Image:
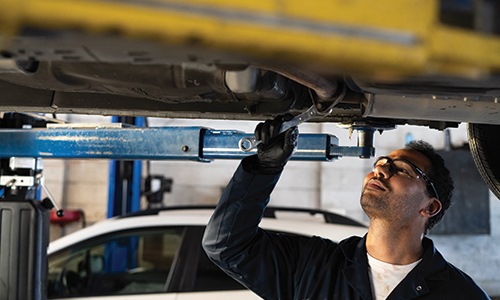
327,185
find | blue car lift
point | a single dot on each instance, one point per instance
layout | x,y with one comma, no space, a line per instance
157,143
124,189
23,260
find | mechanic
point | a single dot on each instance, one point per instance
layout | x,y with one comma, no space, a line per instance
406,194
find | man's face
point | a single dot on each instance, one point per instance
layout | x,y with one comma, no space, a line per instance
393,190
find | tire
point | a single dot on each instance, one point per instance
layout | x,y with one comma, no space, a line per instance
485,149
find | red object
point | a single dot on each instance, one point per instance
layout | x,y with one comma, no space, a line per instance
70,216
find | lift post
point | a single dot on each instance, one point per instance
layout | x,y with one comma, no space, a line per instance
24,236
24,223
24,230
124,190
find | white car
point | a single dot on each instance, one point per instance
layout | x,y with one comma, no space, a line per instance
157,254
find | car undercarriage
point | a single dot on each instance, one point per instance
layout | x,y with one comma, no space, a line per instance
431,63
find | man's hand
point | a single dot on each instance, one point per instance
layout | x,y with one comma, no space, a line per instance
275,149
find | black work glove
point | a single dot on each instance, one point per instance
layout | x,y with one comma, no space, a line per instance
275,149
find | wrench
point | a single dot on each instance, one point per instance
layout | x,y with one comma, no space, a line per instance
247,144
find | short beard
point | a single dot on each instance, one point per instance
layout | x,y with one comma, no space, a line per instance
387,208
374,206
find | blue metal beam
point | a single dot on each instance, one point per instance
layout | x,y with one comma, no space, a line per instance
155,143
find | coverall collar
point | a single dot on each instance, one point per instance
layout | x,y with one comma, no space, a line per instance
432,267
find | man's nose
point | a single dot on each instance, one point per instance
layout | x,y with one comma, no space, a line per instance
383,171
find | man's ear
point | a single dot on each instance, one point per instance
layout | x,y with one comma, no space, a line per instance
433,208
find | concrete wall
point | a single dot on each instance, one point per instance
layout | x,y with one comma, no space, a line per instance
333,185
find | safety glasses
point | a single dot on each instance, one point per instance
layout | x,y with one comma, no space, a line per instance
405,168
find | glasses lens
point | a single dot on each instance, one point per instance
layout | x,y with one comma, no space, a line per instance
404,168
396,166
381,161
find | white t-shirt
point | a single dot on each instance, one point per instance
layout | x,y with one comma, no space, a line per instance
385,277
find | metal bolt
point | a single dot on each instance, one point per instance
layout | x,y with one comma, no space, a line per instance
185,148
418,288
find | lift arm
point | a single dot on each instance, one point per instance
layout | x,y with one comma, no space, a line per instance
160,143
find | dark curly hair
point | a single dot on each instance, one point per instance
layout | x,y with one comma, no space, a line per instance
440,176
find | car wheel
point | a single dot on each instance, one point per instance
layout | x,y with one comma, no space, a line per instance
485,150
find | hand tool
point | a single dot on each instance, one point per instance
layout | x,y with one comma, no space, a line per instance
247,144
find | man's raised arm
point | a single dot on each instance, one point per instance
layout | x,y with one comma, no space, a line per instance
233,239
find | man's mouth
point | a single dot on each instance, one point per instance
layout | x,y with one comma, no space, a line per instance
376,185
